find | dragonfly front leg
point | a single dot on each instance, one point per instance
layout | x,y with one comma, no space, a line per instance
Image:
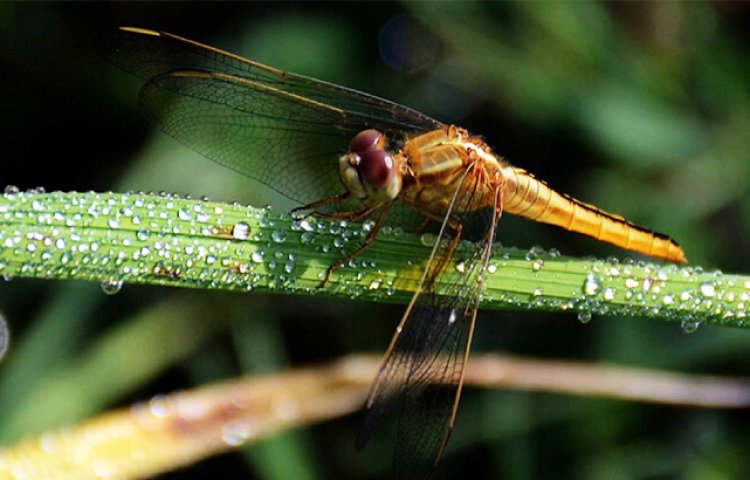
368,241
353,215
333,199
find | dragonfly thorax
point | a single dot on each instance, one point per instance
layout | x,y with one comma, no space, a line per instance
369,171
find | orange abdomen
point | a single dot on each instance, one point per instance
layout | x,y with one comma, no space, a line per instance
531,198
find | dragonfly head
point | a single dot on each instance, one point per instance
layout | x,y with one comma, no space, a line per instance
368,170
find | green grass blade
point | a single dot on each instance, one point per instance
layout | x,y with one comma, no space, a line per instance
117,238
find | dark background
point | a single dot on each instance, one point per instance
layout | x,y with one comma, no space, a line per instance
640,108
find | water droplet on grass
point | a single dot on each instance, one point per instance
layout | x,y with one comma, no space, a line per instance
278,236
241,231
427,239
689,326
708,289
4,336
592,285
111,287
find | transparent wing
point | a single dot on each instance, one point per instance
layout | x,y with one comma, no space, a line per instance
422,372
282,129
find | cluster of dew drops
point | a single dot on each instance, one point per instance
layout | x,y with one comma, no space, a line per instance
174,238
145,234
643,288
270,259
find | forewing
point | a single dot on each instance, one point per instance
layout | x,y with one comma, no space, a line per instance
423,368
283,129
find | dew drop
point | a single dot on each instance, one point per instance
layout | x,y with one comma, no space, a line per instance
592,285
708,289
113,223
278,236
689,326
537,265
584,316
111,287
241,231
142,234
243,268
305,225
427,239
257,256
375,284
4,336
492,267
534,252
609,293
237,433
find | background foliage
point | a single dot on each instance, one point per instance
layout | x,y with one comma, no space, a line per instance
641,108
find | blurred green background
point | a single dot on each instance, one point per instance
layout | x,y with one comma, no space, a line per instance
640,108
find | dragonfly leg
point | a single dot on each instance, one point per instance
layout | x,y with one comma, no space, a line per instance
422,226
354,215
368,241
454,225
339,197
458,228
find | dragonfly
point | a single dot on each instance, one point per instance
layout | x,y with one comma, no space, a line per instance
344,154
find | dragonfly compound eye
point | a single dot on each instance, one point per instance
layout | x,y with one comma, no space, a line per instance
367,140
376,167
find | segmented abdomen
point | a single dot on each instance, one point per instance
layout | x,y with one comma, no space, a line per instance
531,198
